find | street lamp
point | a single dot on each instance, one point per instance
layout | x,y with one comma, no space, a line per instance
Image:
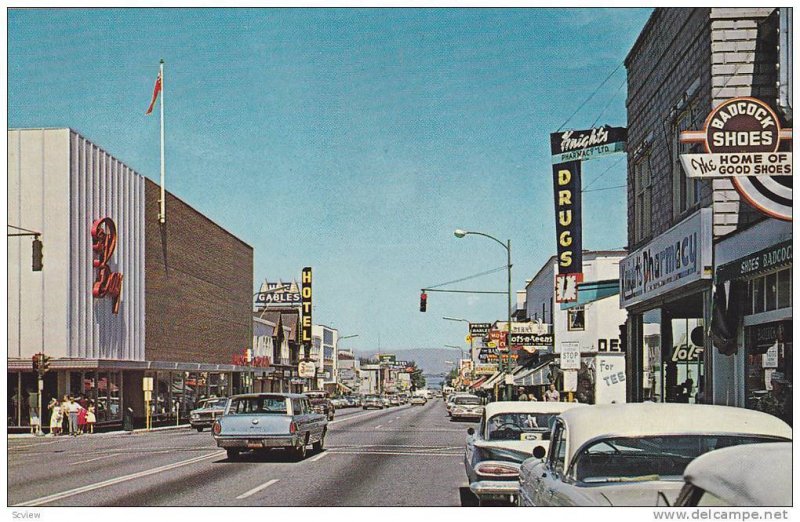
471,347
507,245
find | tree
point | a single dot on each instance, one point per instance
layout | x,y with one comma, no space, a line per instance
452,376
417,379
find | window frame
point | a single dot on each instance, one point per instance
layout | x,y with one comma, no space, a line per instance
570,313
685,190
642,197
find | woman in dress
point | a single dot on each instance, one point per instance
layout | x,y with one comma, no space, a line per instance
55,416
90,417
81,419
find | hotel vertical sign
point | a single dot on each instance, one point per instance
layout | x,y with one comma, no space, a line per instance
306,304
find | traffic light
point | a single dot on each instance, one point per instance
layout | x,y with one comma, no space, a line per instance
37,255
45,363
423,302
35,360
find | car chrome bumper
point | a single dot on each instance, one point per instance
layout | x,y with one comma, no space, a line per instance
256,442
500,488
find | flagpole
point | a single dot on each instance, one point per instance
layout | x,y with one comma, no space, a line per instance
162,216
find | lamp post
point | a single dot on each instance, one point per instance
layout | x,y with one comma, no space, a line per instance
471,347
507,245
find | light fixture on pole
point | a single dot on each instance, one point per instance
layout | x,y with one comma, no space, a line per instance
507,245
336,357
471,346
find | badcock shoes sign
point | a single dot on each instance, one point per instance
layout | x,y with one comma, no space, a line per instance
742,138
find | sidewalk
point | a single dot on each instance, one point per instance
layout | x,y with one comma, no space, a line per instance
103,434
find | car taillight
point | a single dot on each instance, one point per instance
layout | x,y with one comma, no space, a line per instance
217,428
497,469
292,427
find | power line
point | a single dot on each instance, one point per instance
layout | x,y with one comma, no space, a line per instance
492,271
611,99
605,188
590,96
603,173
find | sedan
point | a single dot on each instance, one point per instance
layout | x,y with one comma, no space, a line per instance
466,407
207,412
418,400
507,434
372,401
634,454
758,475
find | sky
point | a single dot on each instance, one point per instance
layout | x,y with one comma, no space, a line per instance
354,141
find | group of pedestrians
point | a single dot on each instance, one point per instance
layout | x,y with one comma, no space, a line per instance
71,416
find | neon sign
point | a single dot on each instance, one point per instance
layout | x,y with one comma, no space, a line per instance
104,242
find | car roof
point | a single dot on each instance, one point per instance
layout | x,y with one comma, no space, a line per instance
746,475
493,408
653,419
256,395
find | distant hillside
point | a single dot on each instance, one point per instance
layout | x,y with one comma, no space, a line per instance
431,360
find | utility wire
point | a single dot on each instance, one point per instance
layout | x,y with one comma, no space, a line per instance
590,96
492,271
603,173
611,99
605,188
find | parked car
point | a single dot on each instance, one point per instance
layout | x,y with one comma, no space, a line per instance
263,421
373,401
386,402
207,412
418,399
634,454
466,407
757,475
394,400
507,434
452,397
321,403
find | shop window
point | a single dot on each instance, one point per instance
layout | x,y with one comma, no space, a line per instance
576,319
162,399
785,288
758,295
685,190
114,397
643,190
770,291
202,385
224,388
190,390
102,412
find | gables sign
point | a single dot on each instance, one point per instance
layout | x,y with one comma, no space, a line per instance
278,294
742,137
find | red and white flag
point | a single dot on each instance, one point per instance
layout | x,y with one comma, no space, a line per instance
156,91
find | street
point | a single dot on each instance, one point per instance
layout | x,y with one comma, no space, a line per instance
401,456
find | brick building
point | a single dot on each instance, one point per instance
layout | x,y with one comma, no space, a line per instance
682,230
183,316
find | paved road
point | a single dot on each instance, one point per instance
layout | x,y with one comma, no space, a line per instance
401,456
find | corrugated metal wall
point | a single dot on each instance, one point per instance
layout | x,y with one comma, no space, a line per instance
102,186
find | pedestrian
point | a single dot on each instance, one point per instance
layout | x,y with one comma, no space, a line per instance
81,419
33,409
55,416
73,409
90,417
552,394
65,415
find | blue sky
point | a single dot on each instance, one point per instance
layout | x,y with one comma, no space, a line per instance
350,140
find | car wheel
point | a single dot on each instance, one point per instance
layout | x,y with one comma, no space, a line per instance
365,407
299,452
199,429
319,445
233,454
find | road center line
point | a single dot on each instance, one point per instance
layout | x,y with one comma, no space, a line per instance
256,489
391,421
378,426
96,458
91,487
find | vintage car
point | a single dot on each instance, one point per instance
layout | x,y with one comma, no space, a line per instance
264,421
507,434
466,407
758,475
394,400
386,401
372,401
418,399
321,403
452,397
207,412
634,454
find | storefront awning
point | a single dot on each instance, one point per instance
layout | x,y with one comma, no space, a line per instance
593,291
534,377
489,384
477,384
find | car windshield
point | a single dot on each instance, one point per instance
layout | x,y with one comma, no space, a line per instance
649,458
510,426
373,398
214,403
467,400
245,405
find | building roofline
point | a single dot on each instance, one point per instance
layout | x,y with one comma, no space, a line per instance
640,38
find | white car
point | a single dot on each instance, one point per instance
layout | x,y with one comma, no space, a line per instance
634,454
466,407
507,434
418,399
450,398
757,475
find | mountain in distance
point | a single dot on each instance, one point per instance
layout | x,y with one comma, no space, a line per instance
431,360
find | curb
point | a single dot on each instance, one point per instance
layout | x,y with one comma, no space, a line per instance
102,434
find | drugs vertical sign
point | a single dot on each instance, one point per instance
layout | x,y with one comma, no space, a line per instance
306,304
